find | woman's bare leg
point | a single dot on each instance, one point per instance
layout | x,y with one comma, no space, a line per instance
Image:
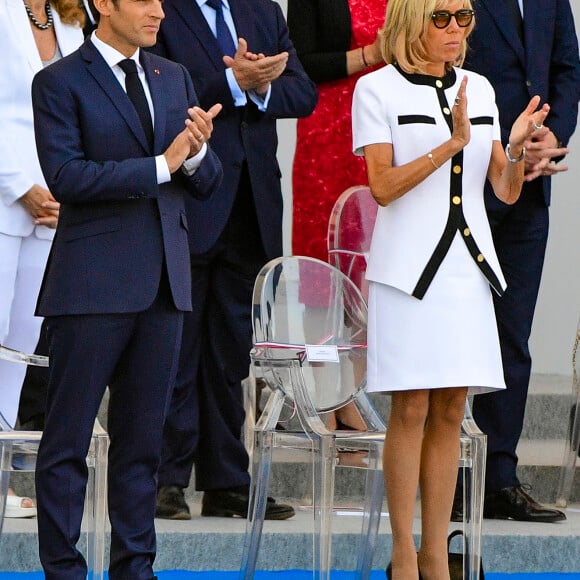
439,463
401,464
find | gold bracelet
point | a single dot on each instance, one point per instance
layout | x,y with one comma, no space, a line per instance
430,156
364,60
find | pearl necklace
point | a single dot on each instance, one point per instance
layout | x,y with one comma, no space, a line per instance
33,19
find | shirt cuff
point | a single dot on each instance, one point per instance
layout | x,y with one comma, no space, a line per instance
238,95
261,102
162,169
191,165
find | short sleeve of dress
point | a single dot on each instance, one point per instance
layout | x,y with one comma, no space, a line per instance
370,123
496,125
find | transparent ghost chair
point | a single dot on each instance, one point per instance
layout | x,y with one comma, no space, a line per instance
350,231
18,450
572,446
315,358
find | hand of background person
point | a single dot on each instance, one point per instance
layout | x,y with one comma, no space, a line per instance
373,54
50,220
257,56
41,206
189,142
255,71
541,148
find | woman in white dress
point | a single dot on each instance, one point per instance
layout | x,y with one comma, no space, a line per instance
430,136
33,34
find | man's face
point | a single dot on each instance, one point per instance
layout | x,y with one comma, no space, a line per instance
129,24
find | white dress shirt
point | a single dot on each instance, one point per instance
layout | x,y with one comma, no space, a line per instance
112,57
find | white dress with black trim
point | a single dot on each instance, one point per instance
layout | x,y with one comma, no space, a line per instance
432,260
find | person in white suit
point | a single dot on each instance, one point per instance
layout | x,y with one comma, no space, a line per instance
33,34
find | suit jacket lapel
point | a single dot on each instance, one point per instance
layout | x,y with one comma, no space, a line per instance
100,70
18,21
155,80
195,20
501,15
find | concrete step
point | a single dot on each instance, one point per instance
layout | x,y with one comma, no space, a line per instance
216,544
547,410
548,407
539,466
540,451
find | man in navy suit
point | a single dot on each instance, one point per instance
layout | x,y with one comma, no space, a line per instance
524,48
118,277
258,79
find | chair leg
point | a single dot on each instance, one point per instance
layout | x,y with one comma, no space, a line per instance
251,398
474,447
261,466
570,456
5,467
323,491
95,511
374,493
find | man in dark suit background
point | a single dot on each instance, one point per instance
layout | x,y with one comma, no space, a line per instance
121,163
536,55
231,237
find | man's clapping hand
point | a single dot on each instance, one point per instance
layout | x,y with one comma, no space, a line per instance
198,130
255,71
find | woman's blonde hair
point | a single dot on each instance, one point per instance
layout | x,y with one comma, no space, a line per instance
70,11
403,34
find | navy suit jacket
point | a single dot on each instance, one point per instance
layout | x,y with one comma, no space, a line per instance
546,64
241,134
117,225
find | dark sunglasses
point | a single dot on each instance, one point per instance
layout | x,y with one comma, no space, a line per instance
442,18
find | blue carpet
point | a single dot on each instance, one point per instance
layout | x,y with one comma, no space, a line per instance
301,575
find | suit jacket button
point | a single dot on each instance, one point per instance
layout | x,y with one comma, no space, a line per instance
456,200
466,232
480,258
457,169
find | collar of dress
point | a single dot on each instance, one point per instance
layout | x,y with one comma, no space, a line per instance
444,82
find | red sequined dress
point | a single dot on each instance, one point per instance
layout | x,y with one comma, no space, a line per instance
324,165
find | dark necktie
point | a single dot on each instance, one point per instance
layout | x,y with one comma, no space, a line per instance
516,15
136,93
222,32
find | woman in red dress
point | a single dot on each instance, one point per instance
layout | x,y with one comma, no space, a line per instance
336,41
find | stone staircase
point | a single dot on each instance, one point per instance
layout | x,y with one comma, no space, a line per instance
216,543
